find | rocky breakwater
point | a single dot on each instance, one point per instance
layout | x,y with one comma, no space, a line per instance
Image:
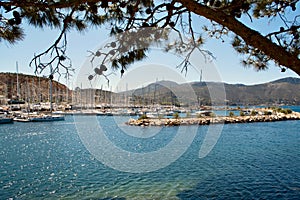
214,120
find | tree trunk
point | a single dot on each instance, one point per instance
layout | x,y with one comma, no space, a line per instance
250,36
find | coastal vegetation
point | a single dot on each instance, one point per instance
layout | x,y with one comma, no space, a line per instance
284,111
242,114
176,115
143,116
253,113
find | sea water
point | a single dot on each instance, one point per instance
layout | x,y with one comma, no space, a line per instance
49,160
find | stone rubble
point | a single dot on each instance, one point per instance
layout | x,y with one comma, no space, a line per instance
214,120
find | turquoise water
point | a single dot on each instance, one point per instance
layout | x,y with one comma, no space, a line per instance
249,161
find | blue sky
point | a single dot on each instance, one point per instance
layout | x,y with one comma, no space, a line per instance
227,61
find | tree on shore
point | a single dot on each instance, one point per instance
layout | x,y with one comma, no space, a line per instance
223,20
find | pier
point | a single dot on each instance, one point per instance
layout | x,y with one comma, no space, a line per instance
214,120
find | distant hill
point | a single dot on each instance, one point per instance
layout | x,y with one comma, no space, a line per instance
31,88
36,89
282,91
290,80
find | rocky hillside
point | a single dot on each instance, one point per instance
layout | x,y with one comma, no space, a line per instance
31,88
282,91
36,89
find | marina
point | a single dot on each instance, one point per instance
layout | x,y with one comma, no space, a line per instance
149,100
45,154
49,161
38,118
165,116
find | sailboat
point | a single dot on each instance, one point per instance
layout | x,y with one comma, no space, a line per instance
47,118
51,117
43,117
5,119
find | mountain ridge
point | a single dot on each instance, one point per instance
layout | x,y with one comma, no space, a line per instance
281,91
31,88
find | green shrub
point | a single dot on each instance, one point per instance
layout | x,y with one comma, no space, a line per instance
286,111
253,113
242,113
176,115
266,112
289,111
188,115
281,110
231,114
143,116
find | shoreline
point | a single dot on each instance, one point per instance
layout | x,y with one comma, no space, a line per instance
213,120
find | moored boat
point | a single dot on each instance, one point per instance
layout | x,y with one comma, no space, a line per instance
47,118
6,120
21,119
39,118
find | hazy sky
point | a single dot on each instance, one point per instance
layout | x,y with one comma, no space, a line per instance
227,66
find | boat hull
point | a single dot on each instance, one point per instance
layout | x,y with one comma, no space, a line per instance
21,119
47,119
6,121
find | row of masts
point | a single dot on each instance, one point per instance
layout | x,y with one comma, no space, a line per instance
32,90
87,98
91,98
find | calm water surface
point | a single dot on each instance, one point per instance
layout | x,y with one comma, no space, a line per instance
249,161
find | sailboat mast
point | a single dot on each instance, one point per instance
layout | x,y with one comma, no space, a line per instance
51,77
198,96
201,76
18,88
67,92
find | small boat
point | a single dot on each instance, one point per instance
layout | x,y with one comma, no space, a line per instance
5,117
6,120
21,119
203,113
47,118
42,118
152,115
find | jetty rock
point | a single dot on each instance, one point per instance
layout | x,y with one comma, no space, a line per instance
213,120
